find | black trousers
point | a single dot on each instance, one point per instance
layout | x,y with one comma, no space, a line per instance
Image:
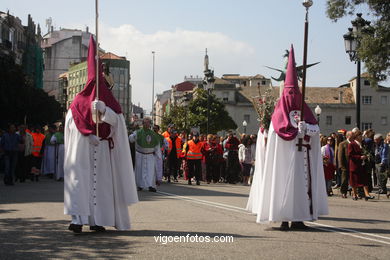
344,181
194,169
173,167
212,170
233,167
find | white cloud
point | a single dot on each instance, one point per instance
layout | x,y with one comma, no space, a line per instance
178,53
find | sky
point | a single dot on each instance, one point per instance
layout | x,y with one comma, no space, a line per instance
242,37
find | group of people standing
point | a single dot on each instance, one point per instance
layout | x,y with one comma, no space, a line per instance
26,153
359,161
194,157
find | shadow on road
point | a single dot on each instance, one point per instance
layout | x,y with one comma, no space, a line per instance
34,238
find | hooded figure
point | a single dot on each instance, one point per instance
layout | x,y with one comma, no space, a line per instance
99,178
293,185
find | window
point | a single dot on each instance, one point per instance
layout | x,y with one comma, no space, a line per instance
247,118
366,100
366,82
328,120
348,120
225,96
384,120
384,100
366,126
263,82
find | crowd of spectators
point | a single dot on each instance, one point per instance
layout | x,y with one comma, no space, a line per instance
357,162
28,152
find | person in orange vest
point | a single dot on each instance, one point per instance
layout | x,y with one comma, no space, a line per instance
167,133
38,138
174,154
194,159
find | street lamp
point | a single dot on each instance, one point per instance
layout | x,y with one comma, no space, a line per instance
244,124
209,84
352,42
153,92
318,111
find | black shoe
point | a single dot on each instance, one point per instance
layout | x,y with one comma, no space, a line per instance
75,228
152,189
354,198
139,188
284,226
97,228
298,226
189,182
369,198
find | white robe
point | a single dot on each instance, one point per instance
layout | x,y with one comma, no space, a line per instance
59,157
145,164
283,189
49,159
99,182
254,194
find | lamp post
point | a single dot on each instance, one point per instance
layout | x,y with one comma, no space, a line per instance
209,84
244,124
352,42
153,52
318,111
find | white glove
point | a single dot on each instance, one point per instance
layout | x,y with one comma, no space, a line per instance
93,139
99,106
301,127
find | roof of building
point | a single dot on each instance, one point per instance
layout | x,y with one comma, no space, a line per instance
316,95
137,109
184,86
237,76
111,56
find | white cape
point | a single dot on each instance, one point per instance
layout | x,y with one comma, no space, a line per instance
283,189
254,194
106,195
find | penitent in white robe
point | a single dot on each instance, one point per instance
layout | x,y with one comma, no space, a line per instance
99,181
254,194
283,189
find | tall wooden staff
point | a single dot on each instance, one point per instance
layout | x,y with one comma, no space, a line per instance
97,63
306,4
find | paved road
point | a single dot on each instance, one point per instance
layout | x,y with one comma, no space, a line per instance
32,226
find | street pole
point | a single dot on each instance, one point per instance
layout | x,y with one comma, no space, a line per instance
306,4
208,108
358,94
97,62
153,92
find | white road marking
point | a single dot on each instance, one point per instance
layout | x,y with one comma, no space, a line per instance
205,202
347,232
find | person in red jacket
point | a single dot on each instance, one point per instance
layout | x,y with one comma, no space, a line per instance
212,152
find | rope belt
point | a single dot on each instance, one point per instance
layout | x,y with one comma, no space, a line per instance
309,191
110,142
145,153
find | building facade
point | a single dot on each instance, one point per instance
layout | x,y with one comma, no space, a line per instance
62,48
23,44
119,72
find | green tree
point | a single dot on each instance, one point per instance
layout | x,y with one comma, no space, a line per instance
195,114
374,49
